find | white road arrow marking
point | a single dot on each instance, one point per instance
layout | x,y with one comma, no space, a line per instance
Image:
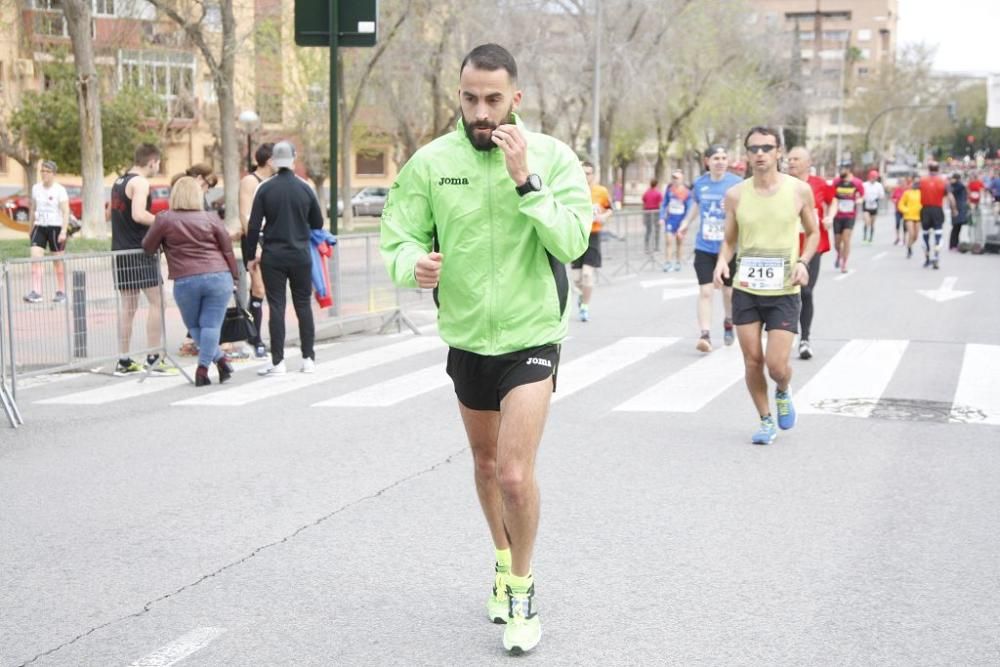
946,292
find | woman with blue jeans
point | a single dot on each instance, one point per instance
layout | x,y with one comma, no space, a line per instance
202,265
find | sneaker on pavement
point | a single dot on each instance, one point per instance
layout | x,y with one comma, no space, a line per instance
727,332
704,344
786,410
927,261
909,253
498,604
33,297
260,352
274,369
127,367
677,266
836,262
308,365
160,367
668,266
767,432
59,297
805,350
935,264
584,313
524,629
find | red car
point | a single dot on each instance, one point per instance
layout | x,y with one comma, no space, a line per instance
16,205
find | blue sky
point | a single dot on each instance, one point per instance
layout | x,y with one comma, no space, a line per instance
960,28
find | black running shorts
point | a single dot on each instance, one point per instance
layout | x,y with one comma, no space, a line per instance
592,256
481,382
931,217
47,237
704,268
840,224
776,312
136,271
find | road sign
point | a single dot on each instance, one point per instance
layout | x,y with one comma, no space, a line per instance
356,21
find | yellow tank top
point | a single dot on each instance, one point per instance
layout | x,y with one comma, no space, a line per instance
768,244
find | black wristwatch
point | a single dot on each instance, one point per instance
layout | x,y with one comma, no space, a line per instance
533,184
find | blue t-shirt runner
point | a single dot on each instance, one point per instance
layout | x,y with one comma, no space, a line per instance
709,194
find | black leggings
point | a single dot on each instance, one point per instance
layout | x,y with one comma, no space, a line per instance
806,316
956,231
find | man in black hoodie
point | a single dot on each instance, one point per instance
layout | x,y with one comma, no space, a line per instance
292,211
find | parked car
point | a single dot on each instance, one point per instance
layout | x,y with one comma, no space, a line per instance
369,201
161,198
17,205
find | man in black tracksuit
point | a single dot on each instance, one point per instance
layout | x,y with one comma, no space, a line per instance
291,211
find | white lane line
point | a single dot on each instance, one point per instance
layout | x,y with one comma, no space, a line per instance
133,388
844,276
670,294
881,255
861,369
393,391
268,387
659,282
978,385
180,648
593,366
692,387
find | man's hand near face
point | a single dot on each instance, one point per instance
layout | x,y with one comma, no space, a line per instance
515,151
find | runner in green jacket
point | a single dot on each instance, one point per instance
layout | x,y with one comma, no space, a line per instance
488,215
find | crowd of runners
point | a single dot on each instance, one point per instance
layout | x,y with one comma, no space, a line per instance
501,285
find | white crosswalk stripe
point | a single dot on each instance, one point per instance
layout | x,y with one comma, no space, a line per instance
134,388
692,387
979,384
392,391
861,369
856,376
590,368
293,381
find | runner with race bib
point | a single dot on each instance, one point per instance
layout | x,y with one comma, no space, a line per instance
848,190
763,216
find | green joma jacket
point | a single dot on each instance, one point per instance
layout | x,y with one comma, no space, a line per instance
503,284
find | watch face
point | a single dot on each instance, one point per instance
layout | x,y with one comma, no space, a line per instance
535,181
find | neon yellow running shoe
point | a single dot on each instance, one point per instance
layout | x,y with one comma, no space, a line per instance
524,629
498,606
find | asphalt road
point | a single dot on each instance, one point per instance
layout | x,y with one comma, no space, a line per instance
251,526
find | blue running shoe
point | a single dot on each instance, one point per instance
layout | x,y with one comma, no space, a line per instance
786,411
767,432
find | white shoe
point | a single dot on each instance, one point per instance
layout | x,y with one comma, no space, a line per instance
276,369
308,365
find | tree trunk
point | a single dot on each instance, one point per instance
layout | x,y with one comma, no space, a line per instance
227,117
88,95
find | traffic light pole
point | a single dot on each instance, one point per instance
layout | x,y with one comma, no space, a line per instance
334,181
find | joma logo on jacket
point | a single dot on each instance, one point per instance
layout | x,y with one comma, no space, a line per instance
453,181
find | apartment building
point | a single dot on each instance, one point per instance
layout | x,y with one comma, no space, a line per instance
835,48
135,44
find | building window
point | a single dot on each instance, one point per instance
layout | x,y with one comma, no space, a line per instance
170,75
50,24
836,35
103,7
864,35
369,163
213,17
807,36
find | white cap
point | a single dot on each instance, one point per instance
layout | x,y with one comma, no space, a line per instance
283,155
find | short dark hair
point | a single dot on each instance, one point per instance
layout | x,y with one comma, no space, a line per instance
205,171
264,153
587,163
653,183
933,167
490,57
760,129
145,153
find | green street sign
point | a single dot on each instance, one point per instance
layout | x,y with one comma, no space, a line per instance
356,22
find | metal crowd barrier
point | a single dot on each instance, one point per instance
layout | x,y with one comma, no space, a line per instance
83,331
631,242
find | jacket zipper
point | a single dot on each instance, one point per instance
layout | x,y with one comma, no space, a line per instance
490,311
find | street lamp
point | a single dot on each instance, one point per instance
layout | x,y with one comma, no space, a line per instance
249,120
